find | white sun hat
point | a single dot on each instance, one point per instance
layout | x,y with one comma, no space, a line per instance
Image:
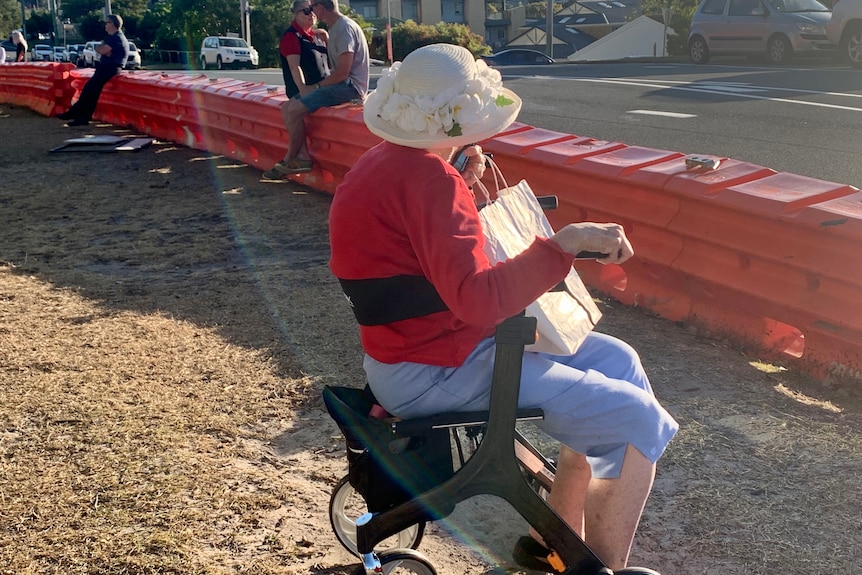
440,96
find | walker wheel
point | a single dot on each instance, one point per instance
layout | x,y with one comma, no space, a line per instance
402,562
346,505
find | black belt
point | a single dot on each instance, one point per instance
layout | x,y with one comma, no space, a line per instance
378,301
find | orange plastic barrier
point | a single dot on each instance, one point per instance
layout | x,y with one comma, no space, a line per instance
241,120
41,86
768,258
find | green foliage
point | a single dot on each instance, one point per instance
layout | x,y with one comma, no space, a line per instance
181,25
408,36
10,17
39,22
76,10
680,21
540,9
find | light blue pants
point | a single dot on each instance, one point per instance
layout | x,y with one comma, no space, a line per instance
596,402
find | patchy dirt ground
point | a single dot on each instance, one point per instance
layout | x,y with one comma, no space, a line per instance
167,323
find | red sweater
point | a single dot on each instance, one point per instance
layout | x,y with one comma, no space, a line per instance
405,211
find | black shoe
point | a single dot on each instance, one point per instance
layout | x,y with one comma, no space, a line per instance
272,175
65,116
531,554
78,122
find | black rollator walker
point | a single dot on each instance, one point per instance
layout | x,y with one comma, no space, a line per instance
404,472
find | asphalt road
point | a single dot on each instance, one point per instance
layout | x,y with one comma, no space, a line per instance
804,119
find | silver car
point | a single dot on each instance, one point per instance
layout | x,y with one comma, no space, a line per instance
777,29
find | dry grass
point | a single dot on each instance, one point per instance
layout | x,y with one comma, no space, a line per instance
167,322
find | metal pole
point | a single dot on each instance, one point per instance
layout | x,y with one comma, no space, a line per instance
23,21
549,29
388,32
53,23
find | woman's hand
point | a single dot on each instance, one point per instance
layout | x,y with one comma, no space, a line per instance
593,237
475,167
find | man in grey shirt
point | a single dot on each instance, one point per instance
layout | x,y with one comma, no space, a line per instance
348,53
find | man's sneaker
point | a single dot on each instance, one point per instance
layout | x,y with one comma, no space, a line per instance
294,166
272,175
78,122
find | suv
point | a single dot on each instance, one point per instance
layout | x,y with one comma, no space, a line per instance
774,28
43,53
90,55
845,30
227,51
133,60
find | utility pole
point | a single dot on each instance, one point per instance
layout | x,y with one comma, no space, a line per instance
549,29
23,21
53,6
245,22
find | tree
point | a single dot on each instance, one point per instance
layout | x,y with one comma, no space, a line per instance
680,22
540,9
408,36
10,17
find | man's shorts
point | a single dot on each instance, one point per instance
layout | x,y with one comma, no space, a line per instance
329,96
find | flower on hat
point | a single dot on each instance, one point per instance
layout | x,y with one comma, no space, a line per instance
449,112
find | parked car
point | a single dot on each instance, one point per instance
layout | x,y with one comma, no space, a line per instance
133,60
43,53
11,50
74,51
61,54
226,52
777,29
90,54
515,56
844,29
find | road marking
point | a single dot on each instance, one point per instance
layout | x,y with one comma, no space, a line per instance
695,87
660,113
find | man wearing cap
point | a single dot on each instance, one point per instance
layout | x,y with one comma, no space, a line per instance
404,215
348,55
112,57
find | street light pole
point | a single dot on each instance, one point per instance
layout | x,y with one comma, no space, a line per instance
389,31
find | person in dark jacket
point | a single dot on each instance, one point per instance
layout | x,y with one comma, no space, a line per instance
304,61
302,50
112,57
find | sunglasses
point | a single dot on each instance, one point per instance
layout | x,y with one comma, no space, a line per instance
307,11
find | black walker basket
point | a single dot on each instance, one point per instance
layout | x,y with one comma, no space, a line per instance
384,466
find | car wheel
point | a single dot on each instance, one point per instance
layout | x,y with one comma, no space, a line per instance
851,45
219,63
698,52
779,50
203,63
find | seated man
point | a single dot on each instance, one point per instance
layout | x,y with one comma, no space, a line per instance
348,53
112,57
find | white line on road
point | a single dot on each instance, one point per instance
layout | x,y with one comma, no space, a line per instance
693,87
660,113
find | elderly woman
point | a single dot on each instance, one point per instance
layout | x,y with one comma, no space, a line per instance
20,47
404,214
